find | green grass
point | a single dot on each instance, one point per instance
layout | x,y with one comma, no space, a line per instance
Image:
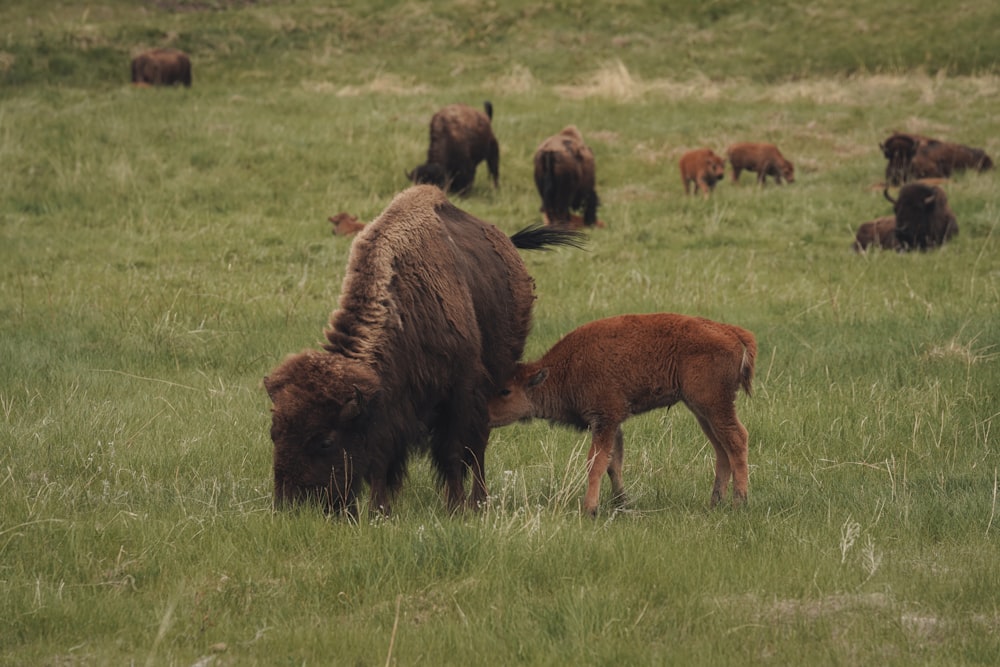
162,250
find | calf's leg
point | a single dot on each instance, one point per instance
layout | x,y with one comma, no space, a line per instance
598,461
615,470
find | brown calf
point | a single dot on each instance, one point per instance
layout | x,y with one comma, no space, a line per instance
703,168
879,232
602,373
765,159
345,224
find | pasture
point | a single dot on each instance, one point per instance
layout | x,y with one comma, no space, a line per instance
164,249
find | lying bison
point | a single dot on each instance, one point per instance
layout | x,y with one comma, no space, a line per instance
565,177
461,138
703,168
765,159
161,67
602,373
345,224
914,156
434,311
880,232
924,219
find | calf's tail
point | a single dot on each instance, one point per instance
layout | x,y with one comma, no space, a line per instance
541,237
748,361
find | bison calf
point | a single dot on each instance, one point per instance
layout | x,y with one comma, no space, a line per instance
924,219
703,168
460,138
161,67
565,177
600,374
765,159
345,224
879,232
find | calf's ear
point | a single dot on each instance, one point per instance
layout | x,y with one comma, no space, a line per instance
538,378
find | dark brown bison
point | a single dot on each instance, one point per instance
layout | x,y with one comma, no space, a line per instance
565,177
703,168
880,232
161,67
345,224
433,315
924,219
914,156
602,373
461,138
764,159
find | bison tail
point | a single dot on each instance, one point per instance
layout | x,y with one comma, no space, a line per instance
749,360
541,237
488,108
549,186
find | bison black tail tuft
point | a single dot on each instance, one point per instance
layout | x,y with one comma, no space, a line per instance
488,107
540,237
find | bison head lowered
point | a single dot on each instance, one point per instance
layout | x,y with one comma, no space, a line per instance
318,417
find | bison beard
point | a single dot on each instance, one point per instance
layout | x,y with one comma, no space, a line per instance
433,315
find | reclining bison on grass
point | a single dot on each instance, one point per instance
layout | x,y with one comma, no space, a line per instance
460,138
161,67
434,311
914,156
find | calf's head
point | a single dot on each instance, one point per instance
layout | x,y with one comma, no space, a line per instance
318,419
515,401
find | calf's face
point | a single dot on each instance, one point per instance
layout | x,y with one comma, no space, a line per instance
513,402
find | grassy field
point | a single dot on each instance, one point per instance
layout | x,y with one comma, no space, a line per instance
162,250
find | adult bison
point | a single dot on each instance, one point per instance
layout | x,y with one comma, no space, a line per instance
765,159
565,177
433,315
924,219
161,67
914,156
460,138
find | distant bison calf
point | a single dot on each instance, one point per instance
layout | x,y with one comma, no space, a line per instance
161,67
924,219
703,168
880,232
345,224
600,374
460,138
565,175
764,159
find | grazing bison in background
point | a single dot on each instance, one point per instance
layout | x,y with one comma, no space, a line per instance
923,217
765,159
433,315
461,138
565,177
161,67
703,168
879,232
602,373
914,156
345,224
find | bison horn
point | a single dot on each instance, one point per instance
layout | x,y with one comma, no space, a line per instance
885,193
930,199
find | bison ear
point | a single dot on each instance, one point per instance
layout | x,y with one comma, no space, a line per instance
538,378
354,407
271,386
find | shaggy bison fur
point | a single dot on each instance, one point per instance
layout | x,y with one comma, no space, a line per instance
600,374
161,67
924,220
764,159
460,138
703,168
914,156
565,177
433,315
